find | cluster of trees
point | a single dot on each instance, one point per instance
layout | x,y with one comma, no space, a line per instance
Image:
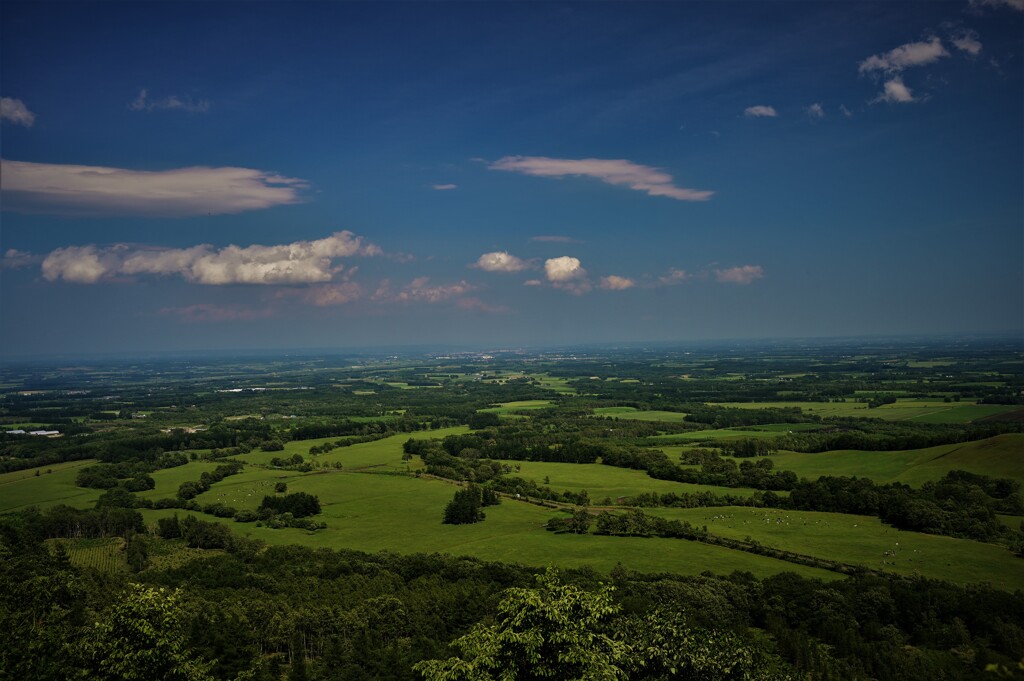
467,505
299,504
511,484
132,475
960,504
191,489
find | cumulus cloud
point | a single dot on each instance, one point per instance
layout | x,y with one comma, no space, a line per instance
967,41
760,111
739,275
299,262
567,273
144,103
895,92
210,312
420,290
614,282
500,261
198,190
611,171
15,111
564,268
815,111
905,56
445,187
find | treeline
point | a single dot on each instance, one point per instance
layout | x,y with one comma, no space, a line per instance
960,504
332,615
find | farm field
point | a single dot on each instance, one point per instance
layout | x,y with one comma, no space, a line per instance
372,512
636,414
860,540
745,432
18,490
505,408
105,555
602,481
904,409
385,451
1001,456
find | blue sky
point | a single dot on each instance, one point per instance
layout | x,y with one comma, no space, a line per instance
181,176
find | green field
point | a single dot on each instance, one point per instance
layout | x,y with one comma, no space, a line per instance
169,479
602,481
861,540
370,512
387,451
1001,456
910,409
637,415
745,432
505,408
23,488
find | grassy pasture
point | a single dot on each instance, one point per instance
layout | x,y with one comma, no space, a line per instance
602,481
717,434
928,411
637,415
505,408
861,540
169,479
21,489
1001,456
369,512
559,385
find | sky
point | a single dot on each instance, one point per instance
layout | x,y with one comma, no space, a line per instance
181,176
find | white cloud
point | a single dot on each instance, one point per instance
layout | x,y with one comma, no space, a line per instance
740,275
895,92
533,282
327,295
1011,4
300,262
760,111
564,268
611,171
500,261
673,277
614,282
905,56
53,188
420,290
567,273
445,187
967,41
144,103
846,112
816,111
15,111
15,259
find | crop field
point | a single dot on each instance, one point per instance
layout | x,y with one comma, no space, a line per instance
1001,456
506,408
926,411
104,555
372,512
638,415
559,385
602,481
860,540
745,432
23,488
